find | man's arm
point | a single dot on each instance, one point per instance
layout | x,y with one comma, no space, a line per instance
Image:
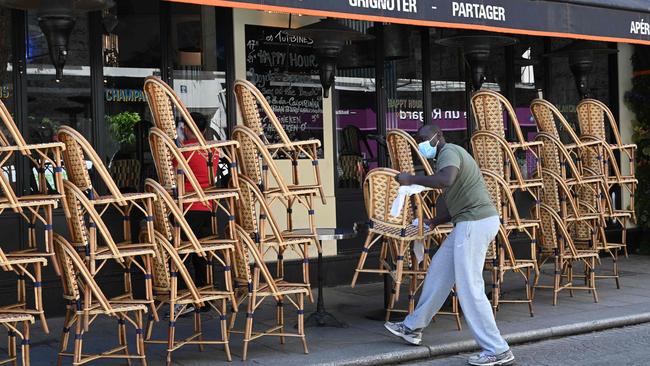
442,214
442,179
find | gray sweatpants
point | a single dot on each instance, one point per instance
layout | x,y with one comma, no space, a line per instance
460,260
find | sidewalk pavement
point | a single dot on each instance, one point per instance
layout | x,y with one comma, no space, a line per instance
366,341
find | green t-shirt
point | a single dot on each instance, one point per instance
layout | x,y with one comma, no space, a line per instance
467,199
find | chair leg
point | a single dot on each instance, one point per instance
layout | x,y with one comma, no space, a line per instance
65,334
592,279
570,278
615,267
249,326
301,321
362,259
280,318
557,277
121,336
139,336
495,289
529,297
25,344
38,297
78,341
171,332
224,330
197,325
11,345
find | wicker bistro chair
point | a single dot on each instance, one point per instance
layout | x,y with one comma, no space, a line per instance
45,157
172,263
88,233
251,101
395,235
256,286
9,320
488,108
500,257
170,222
78,152
255,163
86,302
258,225
591,117
557,240
173,170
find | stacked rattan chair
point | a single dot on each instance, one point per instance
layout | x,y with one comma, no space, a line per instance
86,209
266,232
171,156
497,158
403,152
500,257
605,162
35,209
10,320
86,302
395,235
253,106
578,182
169,264
255,286
256,162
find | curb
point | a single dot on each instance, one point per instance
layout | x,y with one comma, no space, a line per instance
419,353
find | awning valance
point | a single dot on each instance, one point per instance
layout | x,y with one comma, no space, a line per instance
625,21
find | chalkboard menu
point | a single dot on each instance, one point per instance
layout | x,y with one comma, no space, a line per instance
285,70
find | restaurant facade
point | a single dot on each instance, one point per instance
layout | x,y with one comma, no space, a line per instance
402,77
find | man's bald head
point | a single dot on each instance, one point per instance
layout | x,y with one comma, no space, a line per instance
426,132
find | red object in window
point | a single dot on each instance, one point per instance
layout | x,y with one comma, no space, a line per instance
198,162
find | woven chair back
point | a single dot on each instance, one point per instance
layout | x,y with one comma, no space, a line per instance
488,151
160,271
591,118
488,107
251,198
549,231
380,189
174,258
249,250
74,268
76,220
403,152
251,102
68,279
163,102
74,159
126,173
251,149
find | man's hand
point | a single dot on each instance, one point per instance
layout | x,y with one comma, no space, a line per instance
404,179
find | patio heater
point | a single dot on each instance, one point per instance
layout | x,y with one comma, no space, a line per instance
581,61
476,49
57,19
329,37
361,54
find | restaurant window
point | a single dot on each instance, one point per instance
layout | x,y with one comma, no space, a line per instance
52,103
131,52
356,112
448,96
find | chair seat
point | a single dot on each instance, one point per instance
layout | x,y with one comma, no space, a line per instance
24,258
107,199
284,288
206,293
32,200
521,225
300,190
119,306
409,232
288,240
7,316
209,144
211,194
126,250
208,244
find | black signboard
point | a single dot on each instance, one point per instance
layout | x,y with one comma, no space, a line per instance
284,68
611,20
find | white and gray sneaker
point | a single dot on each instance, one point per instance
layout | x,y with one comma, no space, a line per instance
488,359
407,334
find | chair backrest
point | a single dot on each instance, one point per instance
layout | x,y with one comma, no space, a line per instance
380,189
251,149
488,107
170,252
160,271
79,205
547,117
169,160
77,150
403,151
246,249
163,101
126,173
251,101
554,228
73,269
490,152
165,205
591,117
350,138
250,198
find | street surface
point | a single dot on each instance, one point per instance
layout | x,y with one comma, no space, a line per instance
622,346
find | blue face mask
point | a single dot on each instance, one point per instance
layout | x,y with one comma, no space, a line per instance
427,150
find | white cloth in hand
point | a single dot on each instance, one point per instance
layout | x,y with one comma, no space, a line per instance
418,246
404,191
